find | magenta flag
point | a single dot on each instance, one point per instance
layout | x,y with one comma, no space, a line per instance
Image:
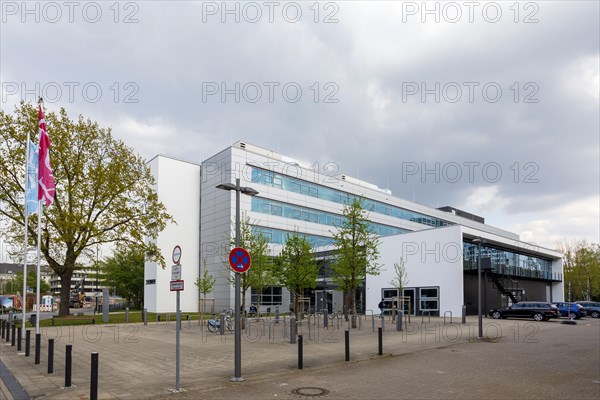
45,177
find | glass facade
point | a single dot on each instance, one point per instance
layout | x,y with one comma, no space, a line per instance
276,180
291,211
509,263
279,236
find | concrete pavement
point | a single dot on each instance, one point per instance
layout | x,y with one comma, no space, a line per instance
138,361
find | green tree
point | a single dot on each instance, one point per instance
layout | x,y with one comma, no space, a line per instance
296,267
260,275
15,285
103,193
581,264
356,252
205,284
124,271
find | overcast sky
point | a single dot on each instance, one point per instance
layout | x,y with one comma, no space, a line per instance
490,107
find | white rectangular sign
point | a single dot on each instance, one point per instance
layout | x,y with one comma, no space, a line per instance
176,272
176,286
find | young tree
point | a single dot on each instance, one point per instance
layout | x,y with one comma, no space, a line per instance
260,275
296,267
103,192
400,280
205,285
125,272
356,252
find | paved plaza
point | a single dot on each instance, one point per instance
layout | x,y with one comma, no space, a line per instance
518,359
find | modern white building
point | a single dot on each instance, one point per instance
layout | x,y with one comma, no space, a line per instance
178,187
435,244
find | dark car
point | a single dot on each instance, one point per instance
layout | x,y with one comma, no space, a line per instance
592,308
538,310
575,310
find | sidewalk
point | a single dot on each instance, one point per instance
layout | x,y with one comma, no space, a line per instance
138,361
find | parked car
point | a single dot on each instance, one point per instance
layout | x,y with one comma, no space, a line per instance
538,310
573,308
592,308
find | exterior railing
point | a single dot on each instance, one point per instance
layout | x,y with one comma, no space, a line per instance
515,271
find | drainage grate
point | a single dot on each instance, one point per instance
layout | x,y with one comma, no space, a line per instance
310,391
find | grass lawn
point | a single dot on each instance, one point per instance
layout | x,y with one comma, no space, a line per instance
114,318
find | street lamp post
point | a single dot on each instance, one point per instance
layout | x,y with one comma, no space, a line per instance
479,311
238,333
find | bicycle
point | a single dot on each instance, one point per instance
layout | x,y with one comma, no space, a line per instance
214,325
336,314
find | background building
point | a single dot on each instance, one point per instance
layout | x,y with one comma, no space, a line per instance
295,197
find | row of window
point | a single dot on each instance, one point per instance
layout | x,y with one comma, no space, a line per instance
271,296
274,179
285,210
429,298
279,236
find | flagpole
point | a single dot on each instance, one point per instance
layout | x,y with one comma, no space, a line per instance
37,290
24,294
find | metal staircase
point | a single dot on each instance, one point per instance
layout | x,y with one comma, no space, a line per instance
503,283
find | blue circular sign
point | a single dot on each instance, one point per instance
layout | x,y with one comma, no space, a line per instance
239,260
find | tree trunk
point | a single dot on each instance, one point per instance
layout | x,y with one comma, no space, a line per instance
65,292
346,305
353,308
296,296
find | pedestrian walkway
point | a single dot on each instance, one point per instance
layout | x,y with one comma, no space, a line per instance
138,361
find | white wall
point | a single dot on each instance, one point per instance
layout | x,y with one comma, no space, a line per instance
432,257
178,189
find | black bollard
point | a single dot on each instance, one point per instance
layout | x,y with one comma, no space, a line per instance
2,327
50,356
13,335
68,360
222,324
7,332
380,337
38,347
27,342
94,378
347,344
19,339
300,356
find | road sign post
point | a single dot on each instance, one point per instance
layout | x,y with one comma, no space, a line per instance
240,261
177,285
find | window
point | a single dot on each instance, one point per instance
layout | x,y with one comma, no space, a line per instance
271,296
276,210
429,299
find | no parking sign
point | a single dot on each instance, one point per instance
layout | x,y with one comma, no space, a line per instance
240,260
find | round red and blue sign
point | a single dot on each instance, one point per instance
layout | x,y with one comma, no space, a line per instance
240,260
